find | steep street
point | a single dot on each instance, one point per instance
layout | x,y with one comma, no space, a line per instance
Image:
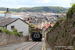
22,46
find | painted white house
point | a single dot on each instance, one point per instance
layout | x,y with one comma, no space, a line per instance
15,23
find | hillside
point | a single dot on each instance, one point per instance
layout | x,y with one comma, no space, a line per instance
37,9
63,32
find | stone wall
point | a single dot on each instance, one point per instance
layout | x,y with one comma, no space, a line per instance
9,39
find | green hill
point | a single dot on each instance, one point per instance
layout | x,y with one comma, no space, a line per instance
37,9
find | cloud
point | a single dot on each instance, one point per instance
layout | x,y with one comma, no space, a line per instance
42,1
32,3
14,6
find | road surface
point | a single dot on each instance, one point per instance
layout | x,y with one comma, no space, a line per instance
23,46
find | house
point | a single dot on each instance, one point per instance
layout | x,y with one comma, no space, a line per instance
46,26
44,22
15,23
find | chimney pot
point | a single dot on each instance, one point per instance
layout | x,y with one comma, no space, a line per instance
7,9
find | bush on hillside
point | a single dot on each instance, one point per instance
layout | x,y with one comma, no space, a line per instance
70,12
1,30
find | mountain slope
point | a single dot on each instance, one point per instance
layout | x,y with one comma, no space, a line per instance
37,9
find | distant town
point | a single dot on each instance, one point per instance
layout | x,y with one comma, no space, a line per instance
38,18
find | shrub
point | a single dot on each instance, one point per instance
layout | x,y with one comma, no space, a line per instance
55,25
1,30
70,12
73,23
7,31
14,30
19,34
14,33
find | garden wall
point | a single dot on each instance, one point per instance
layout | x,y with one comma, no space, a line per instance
11,38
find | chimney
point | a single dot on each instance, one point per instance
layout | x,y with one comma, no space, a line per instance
7,13
7,9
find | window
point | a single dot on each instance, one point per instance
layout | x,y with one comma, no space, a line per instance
12,27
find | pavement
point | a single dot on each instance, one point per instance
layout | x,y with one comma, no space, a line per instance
37,47
45,45
13,46
22,46
28,47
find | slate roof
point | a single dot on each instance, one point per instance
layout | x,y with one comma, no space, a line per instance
47,25
1,18
9,21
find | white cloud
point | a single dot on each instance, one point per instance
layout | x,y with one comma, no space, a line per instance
46,1
32,3
14,6
42,1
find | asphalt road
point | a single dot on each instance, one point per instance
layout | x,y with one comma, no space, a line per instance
18,45
38,46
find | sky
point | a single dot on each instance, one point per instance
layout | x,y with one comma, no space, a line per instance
34,3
